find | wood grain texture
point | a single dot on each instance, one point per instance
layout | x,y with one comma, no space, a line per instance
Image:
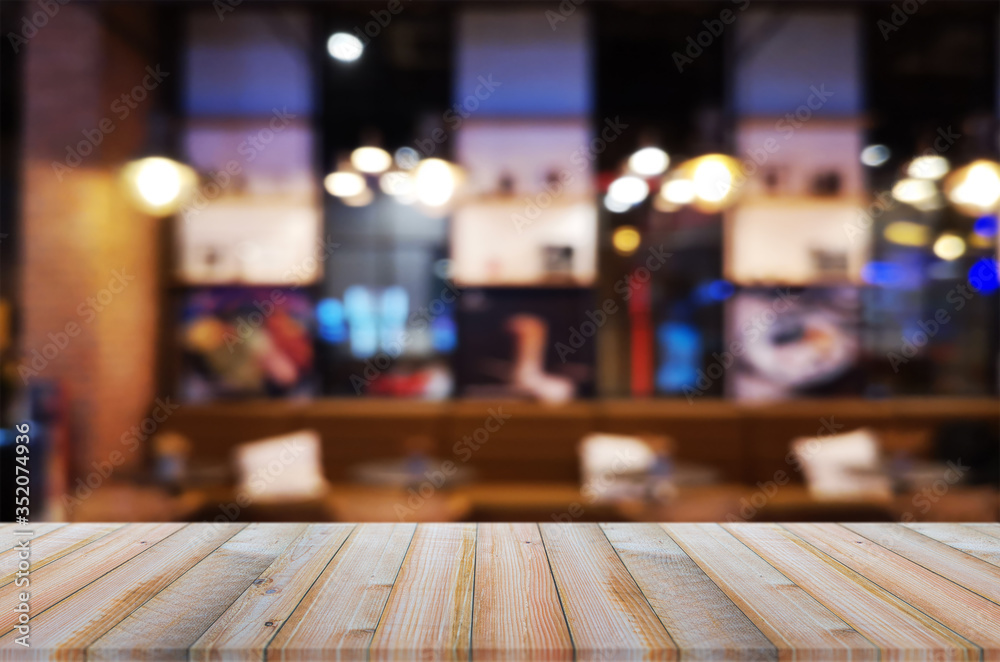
989,528
339,614
792,619
52,546
687,592
429,610
9,536
171,621
703,622
246,628
976,575
66,629
75,570
970,615
902,632
608,615
517,614
964,538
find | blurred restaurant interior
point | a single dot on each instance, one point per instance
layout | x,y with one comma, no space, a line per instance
575,260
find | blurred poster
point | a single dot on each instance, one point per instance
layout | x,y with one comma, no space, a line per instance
527,343
787,342
246,342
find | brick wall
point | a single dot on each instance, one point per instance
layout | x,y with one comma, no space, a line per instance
79,231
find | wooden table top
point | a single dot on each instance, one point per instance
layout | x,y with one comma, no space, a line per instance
506,591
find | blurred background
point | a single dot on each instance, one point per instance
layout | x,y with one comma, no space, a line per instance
573,261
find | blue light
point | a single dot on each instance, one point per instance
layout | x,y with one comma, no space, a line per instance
713,291
364,340
394,306
358,303
680,345
444,336
985,226
886,274
983,276
330,317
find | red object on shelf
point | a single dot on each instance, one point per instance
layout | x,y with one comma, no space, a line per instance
641,330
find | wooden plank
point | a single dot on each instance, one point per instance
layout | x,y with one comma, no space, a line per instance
989,528
516,615
429,610
968,614
977,576
67,628
171,621
84,565
53,546
245,629
8,537
338,615
902,632
793,620
703,622
967,539
608,615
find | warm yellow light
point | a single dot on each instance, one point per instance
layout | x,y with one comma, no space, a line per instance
678,191
979,241
949,246
435,182
649,162
928,167
914,191
626,240
159,185
344,184
713,181
975,189
372,160
907,233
